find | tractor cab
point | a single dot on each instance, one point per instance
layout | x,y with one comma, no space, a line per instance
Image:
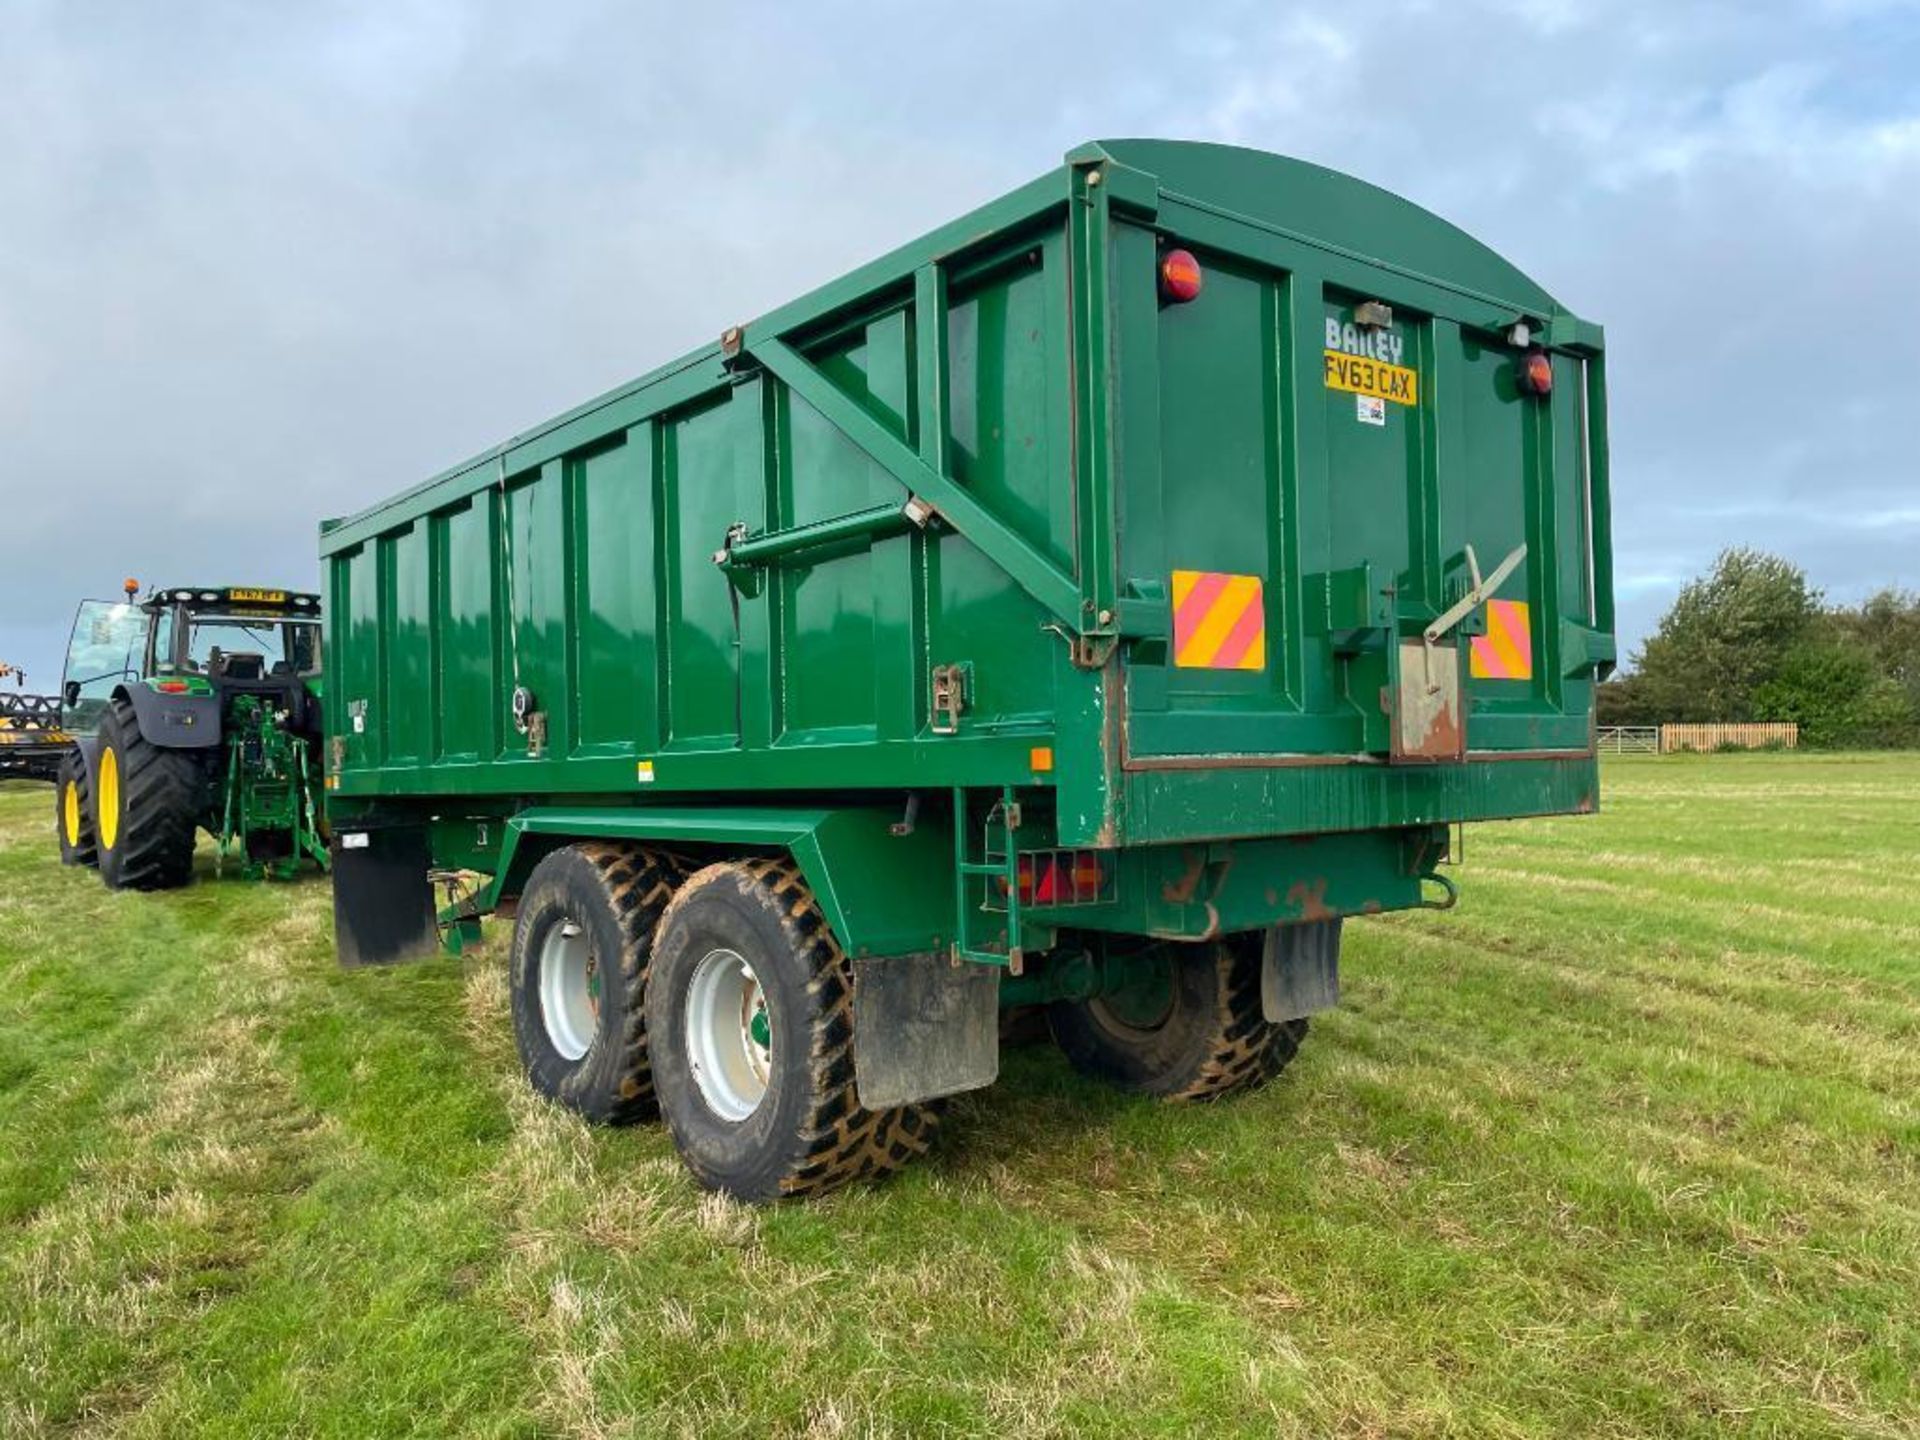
207,642
240,641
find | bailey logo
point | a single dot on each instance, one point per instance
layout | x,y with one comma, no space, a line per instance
1374,344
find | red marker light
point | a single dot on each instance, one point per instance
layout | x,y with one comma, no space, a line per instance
171,687
1536,373
1180,277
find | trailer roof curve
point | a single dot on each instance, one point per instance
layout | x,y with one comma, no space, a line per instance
1335,210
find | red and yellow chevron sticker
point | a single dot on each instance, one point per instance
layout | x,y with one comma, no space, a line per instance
1219,621
1505,652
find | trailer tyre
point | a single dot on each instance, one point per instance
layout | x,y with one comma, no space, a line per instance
751,1011
147,801
581,955
1200,1038
73,812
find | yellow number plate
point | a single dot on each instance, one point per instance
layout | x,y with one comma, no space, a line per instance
1362,376
241,596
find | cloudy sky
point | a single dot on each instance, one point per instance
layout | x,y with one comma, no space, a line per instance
264,263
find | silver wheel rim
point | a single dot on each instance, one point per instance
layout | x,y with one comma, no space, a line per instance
729,1034
569,990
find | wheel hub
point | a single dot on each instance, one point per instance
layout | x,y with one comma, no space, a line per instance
109,807
729,1034
570,989
1138,997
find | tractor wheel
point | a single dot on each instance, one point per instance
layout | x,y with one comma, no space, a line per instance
1197,1034
73,812
751,1012
582,948
146,806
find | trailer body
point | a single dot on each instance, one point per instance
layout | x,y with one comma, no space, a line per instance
1011,592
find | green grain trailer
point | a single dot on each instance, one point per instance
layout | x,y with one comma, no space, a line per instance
1087,605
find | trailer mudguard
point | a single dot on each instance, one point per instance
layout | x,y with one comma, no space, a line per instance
923,1026
883,892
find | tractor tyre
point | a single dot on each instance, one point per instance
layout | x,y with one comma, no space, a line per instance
73,812
751,1013
147,801
578,972
1199,1036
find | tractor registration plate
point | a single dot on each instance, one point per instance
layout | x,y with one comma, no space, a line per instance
242,596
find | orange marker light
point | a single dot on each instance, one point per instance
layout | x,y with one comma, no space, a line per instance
1536,373
1041,757
1180,277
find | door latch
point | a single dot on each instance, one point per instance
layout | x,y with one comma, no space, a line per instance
1477,595
949,700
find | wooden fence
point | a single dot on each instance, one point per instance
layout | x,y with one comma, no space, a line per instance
1706,738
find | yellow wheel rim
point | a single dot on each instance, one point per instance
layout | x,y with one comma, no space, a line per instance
109,780
70,813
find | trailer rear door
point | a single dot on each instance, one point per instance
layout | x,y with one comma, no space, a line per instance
1319,459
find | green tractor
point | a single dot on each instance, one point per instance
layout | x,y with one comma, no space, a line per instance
193,709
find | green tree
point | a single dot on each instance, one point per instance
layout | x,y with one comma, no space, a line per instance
1888,624
1832,686
1726,636
1623,701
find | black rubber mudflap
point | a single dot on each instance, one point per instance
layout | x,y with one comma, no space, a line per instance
923,1027
1300,970
382,901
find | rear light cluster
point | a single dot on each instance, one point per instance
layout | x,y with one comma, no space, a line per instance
1061,877
1536,372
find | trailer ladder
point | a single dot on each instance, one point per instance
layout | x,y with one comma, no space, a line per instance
975,879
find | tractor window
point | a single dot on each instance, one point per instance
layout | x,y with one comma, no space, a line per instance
108,645
283,648
163,642
303,648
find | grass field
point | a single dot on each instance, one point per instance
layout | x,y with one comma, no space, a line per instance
1629,1143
